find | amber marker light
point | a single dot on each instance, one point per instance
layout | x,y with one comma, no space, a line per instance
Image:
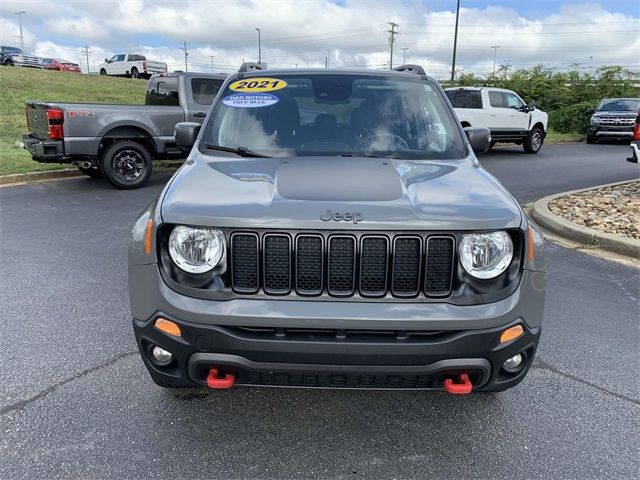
531,250
511,333
168,327
147,240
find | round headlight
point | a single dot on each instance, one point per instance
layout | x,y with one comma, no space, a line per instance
486,255
196,250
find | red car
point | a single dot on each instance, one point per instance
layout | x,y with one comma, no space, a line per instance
60,65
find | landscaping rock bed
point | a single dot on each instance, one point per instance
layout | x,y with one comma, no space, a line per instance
614,209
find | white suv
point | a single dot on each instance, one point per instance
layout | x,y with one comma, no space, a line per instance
503,112
131,65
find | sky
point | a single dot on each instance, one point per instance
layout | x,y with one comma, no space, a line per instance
344,33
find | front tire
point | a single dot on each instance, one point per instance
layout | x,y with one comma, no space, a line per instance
126,164
591,139
103,71
92,172
533,142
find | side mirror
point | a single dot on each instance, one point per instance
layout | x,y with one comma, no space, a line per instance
532,105
635,152
479,138
591,111
186,134
106,60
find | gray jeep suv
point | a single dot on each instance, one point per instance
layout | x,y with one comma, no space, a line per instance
334,229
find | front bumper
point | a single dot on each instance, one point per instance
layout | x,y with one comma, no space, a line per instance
611,131
44,151
318,344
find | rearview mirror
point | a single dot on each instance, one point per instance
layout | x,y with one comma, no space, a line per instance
186,134
479,138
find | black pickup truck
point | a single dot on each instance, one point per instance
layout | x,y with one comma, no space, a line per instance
120,142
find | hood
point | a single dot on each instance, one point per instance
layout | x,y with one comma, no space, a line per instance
347,192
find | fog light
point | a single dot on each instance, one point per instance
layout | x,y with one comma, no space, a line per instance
161,356
512,364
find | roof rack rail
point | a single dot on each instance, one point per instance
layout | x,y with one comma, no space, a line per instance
417,69
248,66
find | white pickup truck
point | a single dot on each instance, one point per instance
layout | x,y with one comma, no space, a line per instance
503,112
131,65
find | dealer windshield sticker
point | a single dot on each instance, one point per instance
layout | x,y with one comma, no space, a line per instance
250,100
258,85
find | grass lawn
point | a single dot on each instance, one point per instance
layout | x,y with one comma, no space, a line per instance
555,137
20,84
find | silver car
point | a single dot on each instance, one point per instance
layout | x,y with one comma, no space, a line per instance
360,245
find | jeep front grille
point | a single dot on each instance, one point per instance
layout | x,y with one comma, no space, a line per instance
342,265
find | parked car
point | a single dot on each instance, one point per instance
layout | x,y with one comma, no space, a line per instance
119,141
614,118
18,57
503,112
131,65
635,144
362,248
60,65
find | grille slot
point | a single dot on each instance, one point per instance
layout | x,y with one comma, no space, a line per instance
277,264
342,262
374,251
338,380
309,264
439,271
244,252
406,266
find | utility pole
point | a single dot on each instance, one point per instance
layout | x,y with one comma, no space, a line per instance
211,57
495,51
392,39
327,60
404,55
86,54
19,14
455,45
186,55
259,47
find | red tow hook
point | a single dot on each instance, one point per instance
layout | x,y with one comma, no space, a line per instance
213,381
463,387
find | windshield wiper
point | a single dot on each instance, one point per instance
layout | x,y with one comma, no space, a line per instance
241,151
368,155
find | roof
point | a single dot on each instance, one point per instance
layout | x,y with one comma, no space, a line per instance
326,71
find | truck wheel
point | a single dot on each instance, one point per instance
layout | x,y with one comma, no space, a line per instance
134,73
103,71
92,172
533,142
126,164
591,139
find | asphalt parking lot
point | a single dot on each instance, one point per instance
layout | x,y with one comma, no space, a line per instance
76,401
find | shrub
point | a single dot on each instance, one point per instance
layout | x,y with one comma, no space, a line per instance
571,119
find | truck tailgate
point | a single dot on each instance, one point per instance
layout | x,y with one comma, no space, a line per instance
37,119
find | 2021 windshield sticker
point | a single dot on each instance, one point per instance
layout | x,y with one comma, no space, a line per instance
250,100
258,85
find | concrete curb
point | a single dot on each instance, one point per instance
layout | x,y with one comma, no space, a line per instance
38,176
67,173
578,233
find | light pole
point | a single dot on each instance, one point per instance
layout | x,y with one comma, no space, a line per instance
19,14
211,57
259,47
404,55
455,45
495,51
328,62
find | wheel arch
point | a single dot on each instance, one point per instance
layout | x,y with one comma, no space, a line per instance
133,133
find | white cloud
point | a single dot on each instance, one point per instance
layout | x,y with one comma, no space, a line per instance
300,32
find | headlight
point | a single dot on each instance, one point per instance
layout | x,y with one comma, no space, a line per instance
486,255
196,250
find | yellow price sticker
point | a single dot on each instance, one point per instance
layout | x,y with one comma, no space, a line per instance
258,85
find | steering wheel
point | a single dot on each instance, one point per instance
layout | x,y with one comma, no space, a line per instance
396,140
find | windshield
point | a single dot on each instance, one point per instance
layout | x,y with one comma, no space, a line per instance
619,105
403,116
15,50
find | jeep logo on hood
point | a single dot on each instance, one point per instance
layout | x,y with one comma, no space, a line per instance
354,217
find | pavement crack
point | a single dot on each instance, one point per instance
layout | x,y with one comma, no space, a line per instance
52,388
542,365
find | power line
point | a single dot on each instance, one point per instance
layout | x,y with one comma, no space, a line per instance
392,39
